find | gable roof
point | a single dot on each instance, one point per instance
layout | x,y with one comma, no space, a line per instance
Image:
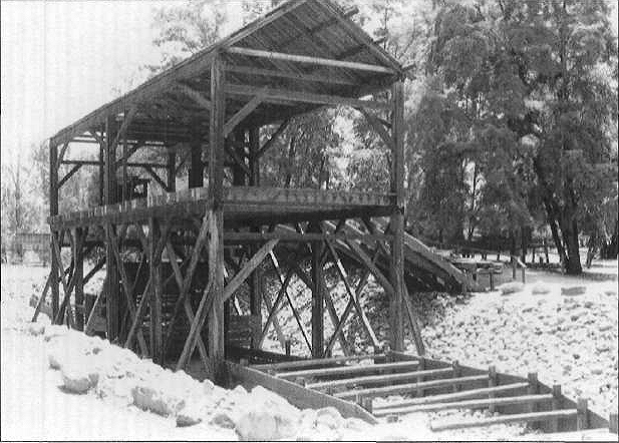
303,28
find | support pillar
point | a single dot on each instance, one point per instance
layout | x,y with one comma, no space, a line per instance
196,168
78,276
112,295
156,317
256,281
53,210
318,299
215,320
171,171
396,268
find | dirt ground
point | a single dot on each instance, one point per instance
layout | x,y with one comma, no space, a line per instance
34,407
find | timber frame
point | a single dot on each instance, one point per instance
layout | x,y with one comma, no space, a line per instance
184,267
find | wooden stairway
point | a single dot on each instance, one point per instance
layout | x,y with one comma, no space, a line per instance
425,385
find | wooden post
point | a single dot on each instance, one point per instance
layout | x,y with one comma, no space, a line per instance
78,276
196,168
397,219
171,171
524,278
288,347
215,319
317,301
113,279
256,281
420,367
457,372
53,210
612,422
514,268
491,275
156,317
254,157
533,388
101,173
582,414
556,405
492,382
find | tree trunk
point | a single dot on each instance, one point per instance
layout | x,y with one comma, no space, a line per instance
569,229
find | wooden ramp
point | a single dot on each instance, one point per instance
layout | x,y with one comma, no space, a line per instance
355,384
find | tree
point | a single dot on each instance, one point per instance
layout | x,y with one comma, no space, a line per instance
533,77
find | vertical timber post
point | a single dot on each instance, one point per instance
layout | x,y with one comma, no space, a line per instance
113,280
196,169
53,211
156,318
397,218
171,171
215,318
78,276
318,298
256,277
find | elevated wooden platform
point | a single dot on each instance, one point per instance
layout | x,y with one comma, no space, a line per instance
239,202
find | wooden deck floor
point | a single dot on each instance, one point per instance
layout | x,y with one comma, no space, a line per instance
240,203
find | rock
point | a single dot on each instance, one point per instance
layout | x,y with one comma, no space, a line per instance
597,370
191,414
329,417
77,378
157,400
573,290
540,289
511,287
36,329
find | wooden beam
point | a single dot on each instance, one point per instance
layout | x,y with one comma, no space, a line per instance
316,362
318,301
318,78
348,370
156,177
242,113
379,128
196,96
281,128
68,175
53,211
278,95
532,417
467,404
249,267
156,314
409,387
383,379
41,301
271,55
78,235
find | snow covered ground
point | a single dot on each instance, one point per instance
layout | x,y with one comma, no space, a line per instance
125,398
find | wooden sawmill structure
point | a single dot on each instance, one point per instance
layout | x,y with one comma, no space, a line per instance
189,272
188,256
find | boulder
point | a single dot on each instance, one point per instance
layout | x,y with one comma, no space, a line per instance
511,287
190,415
540,289
36,329
155,399
573,290
78,378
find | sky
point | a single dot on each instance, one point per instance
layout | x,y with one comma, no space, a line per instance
62,59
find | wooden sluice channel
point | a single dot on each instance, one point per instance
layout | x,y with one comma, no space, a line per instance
420,385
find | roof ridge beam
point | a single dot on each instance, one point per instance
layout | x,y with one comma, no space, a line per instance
310,60
278,95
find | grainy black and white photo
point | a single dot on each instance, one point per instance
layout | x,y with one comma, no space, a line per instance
309,220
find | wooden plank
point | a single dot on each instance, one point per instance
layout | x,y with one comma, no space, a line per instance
367,261
414,323
353,295
68,175
297,395
379,128
242,113
277,95
128,291
93,312
281,128
466,404
187,305
139,315
298,76
409,387
78,235
532,417
318,362
273,310
196,96
41,301
322,372
378,379
249,267
471,393
271,55
281,278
